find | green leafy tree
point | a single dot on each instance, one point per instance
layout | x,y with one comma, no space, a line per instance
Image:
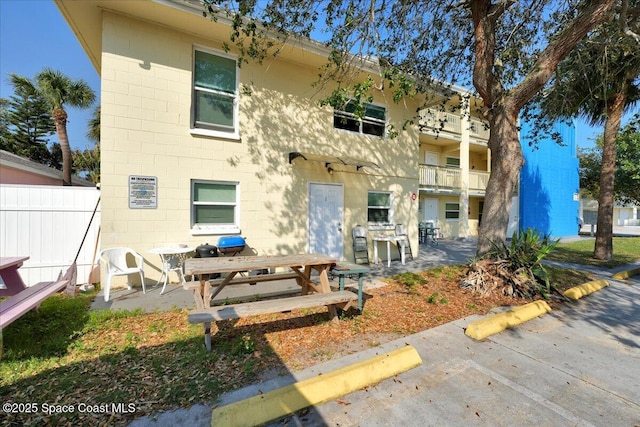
506,49
29,124
628,163
59,91
627,170
6,139
590,164
599,81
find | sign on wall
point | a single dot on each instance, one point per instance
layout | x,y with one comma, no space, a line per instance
143,192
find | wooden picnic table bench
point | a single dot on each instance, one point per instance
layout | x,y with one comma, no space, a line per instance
22,298
349,269
10,277
299,267
31,297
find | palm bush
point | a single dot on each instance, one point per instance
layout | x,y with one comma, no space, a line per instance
514,268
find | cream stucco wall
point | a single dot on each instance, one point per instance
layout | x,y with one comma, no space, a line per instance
146,109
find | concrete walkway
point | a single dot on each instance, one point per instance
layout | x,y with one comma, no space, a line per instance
447,252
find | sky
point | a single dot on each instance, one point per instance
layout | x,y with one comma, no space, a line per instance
34,35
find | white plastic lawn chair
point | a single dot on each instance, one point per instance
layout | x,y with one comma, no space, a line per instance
116,265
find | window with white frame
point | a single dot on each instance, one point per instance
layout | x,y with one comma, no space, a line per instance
373,121
215,93
452,210
380,208
452,162
214,206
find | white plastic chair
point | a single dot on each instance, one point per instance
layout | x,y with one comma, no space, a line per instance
116,265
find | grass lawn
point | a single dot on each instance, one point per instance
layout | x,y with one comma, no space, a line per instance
626,250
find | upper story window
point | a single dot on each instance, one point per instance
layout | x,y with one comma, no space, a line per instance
379,208
373,122
453,162
214,207
215,94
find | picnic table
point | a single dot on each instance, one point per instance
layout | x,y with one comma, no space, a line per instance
22,297
297,266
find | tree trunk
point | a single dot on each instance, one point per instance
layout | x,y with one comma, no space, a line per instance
604,233
505,170
60,119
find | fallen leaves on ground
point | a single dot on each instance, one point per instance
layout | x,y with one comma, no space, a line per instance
157,360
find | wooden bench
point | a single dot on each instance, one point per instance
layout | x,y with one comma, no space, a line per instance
236,311
27,299
252,280
343,269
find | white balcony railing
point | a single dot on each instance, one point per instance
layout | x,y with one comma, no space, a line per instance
439,120
479,129
444,121
478,180
440,177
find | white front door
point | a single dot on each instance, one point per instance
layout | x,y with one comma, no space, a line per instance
430,210
325,219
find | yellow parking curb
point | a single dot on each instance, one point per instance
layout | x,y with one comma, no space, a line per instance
481,329
623,275
258,410
578,292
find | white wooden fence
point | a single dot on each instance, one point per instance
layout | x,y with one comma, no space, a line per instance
48,223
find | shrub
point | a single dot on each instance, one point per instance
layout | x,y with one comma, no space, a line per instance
515,269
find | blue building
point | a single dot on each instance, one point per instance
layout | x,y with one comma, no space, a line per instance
549,182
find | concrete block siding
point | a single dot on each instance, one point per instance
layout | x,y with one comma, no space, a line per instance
146,108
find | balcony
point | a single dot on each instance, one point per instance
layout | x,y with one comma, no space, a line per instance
448,178
442,121
479,129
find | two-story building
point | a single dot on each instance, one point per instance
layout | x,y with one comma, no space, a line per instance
195,146
454,168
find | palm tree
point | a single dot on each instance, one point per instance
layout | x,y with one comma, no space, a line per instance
94,126
88,160
59,91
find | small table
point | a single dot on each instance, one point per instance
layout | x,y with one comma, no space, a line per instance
13,283
402,240
343,269
172,259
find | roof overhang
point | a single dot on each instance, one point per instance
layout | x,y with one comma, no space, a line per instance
332,160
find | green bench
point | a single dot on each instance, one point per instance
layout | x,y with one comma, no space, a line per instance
344,269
